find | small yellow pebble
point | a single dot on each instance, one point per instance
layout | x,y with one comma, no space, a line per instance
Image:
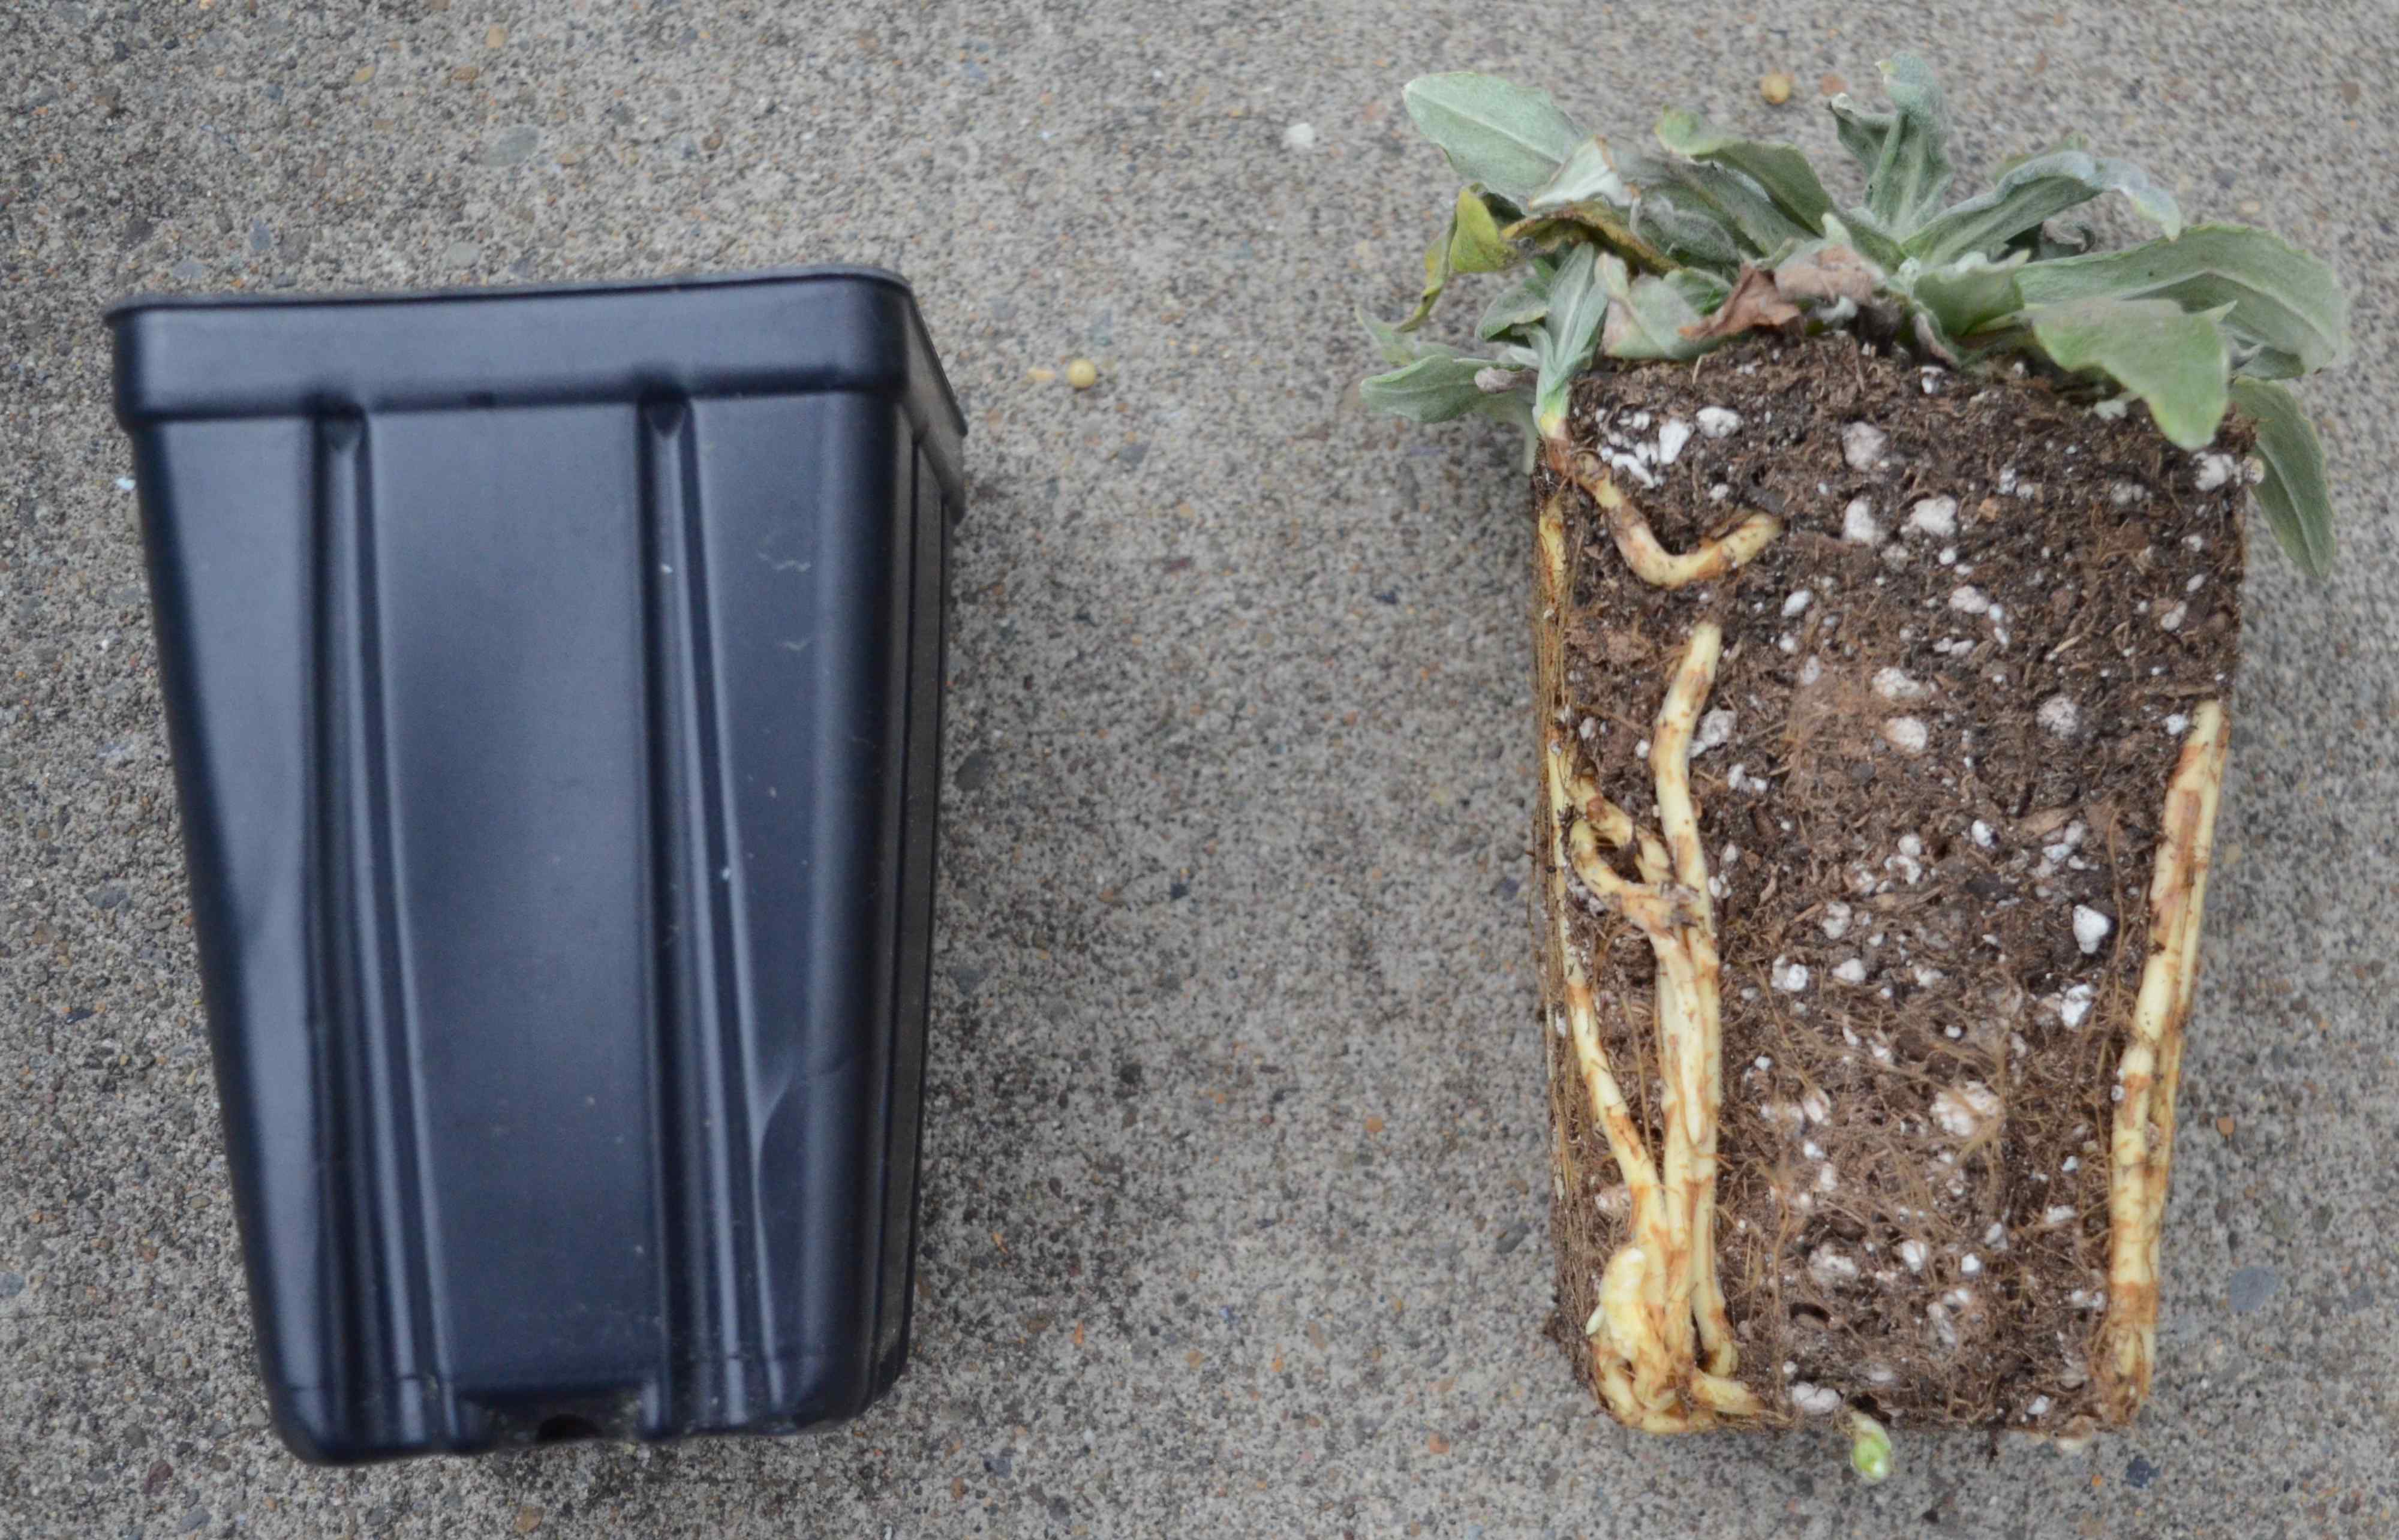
1775,87
1041,374
496,38
1082,374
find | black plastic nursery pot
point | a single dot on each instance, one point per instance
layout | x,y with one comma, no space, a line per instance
553,678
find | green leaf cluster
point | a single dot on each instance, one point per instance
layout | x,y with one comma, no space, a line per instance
1630,253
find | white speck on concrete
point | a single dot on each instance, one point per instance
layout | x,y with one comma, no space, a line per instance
1300,136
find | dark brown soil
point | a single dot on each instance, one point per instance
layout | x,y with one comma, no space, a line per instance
1914,1182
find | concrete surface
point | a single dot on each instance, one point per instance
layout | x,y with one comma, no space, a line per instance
1235,1208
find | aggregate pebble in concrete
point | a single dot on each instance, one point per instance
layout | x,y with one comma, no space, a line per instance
1235,1040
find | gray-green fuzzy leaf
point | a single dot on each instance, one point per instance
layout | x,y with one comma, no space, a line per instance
2289,316
1398,346
1647,315
1970,292
1734,203
2031,193
2294,496
1570,335
1510,139
2174,359
1780,170
1861,232
1911,176
1587,173
1433,389
1521,306
1688,230
1861,131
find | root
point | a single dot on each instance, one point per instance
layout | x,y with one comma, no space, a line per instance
2141,1145
1661,1339
1652,562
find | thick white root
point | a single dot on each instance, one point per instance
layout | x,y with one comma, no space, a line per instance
1661,1339
2141,1146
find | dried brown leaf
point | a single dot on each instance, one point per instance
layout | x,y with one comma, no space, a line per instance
1754,301
1830,272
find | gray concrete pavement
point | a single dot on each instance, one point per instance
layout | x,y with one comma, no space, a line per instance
1235,1220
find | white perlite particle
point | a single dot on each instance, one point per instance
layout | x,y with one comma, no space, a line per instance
1831,1268
2037,1409
2075,1004
2173,618
1811,670
1851,972
1715,731
1912,1253
2176,723
1800,598
1862,445
2059,716
1934,515
2056,1215
1718,422
1907,735
1836,920
1671,439
2216,470
1970,599
1970,1265
1817,1107
1983,835
1895,685
1858,526
1789,977
2091,928
1962,1109
1815,1400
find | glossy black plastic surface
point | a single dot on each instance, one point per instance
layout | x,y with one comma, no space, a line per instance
553,679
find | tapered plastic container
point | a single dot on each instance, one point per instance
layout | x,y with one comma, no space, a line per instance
554,684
